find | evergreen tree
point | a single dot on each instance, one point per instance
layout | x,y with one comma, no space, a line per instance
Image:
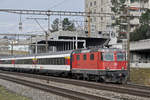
55,25
66,24
143,32
119,8
5,37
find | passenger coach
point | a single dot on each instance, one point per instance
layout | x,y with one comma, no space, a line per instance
57,64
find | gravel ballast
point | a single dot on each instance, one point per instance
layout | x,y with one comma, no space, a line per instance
34,94
40,95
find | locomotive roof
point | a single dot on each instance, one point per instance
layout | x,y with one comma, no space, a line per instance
97,49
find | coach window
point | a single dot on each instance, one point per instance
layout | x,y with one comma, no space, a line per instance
78,57
84,57
50,61
92,57
63,61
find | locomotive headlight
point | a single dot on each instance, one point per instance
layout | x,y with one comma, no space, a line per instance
122,68
120,74
107,68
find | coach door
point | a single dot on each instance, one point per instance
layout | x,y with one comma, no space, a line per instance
34,63
13,63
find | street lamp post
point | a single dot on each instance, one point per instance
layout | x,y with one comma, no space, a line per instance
128,42
12,48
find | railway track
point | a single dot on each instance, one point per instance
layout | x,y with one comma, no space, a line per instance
132,85
55,90
131,89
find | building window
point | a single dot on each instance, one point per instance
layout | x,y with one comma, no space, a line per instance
90,11
99,32
101,9
90,3
112,17
94,3
101,18
94,10
102,2
91,20
95,19
86,5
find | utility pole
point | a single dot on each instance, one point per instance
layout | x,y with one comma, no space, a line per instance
36,47
76,40
46,34
73,43
12,48
45,31
128,42
20,26
48,23
89,24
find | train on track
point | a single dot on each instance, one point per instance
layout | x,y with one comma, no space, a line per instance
102,64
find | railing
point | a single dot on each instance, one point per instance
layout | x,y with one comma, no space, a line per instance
140,61
140,45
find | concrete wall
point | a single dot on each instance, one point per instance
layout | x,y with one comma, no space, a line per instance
140,65
140,45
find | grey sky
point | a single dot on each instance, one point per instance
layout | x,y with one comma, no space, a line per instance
9,22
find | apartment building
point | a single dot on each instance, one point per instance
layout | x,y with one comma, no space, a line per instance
4,44
102,25
99,25
137,7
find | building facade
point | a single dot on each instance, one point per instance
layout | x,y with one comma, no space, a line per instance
64,41
4,44
137,7
102,24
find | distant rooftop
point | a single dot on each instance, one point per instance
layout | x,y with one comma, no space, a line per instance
58,34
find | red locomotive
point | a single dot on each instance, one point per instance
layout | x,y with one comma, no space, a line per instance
100,64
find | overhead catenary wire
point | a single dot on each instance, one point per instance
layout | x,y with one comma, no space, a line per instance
58,4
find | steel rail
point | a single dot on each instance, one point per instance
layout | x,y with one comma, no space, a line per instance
133,85
55,90
135,90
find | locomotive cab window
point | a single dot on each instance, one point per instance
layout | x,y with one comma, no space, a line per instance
108,56
121,57
78,57
91,56
102,58
84,57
